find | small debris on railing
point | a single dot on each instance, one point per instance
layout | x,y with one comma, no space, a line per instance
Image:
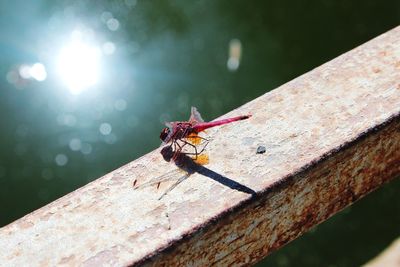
261,150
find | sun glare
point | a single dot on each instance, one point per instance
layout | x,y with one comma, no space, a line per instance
79,65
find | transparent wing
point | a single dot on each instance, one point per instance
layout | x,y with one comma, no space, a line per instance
169,176
180,180
177,175
195,116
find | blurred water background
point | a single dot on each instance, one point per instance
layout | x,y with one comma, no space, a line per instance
86,85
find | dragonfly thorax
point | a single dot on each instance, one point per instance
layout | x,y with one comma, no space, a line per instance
177,131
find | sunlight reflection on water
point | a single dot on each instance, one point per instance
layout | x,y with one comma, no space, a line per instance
78,66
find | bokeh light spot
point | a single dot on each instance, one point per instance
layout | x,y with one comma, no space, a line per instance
105,128
235,54
120,104
113,24
24,71
61,160
105,16
86,149
75,144
38,72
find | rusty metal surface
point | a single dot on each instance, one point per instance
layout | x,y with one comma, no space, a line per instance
331,136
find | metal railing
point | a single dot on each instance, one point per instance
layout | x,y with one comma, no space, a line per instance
330,137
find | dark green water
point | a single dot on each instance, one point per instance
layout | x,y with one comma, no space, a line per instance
68,125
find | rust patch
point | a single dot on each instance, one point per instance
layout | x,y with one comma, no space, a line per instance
46,216
376,70
103,258
158,211
66,260
26,224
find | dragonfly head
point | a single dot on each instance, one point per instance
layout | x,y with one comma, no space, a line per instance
164,133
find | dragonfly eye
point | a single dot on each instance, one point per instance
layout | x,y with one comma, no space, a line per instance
164,133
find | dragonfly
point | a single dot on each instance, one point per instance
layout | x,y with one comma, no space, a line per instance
178,134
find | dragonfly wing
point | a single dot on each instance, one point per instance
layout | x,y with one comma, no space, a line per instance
169,176
180,180
195,116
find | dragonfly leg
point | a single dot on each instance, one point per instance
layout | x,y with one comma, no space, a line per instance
202,138
199,152
195,148
177,150
204,147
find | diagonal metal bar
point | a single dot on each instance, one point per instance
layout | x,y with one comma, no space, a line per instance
330,137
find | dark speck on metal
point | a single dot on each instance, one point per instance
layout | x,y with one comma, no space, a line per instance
261,150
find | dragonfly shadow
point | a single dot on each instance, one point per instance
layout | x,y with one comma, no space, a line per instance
187,164
225,180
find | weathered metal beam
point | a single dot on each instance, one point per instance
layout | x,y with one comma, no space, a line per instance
331,136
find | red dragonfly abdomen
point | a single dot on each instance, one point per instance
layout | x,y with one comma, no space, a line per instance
199,127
